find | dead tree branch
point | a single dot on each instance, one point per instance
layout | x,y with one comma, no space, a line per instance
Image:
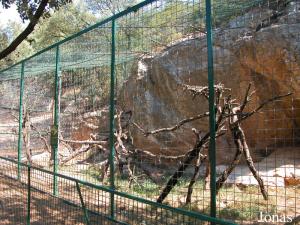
82,149
252,167
247,115
85,142
195,176
173,128
44,139
201,141
236,116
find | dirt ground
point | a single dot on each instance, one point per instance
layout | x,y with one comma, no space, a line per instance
239,203
45,209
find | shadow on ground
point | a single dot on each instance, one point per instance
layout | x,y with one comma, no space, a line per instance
45,209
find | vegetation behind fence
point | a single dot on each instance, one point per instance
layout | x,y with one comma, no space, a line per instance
170,112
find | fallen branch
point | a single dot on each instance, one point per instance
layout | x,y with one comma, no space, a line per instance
85,142
154,156
82,149
204,90
132,178
175,127
239,151
252,168
247,97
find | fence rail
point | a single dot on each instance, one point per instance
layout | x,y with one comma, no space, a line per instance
7,165
169,112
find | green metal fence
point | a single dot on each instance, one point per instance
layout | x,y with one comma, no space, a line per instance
149,117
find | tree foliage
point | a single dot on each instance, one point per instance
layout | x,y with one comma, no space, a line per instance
105,8
10,32
59,21
28,8
64,22
32,11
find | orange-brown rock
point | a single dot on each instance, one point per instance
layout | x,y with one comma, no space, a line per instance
268,58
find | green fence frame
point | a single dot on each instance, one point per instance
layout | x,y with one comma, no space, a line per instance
191,214
54,131
111,117
20,118
212,117
54,134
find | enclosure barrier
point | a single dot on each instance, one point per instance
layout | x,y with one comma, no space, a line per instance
181,214
141,119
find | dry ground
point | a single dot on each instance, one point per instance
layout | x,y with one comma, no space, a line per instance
45,209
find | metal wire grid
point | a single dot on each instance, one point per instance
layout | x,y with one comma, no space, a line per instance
14,201
40,206
85,70
271,134
9,105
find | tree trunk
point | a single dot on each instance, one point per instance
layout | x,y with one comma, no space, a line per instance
30,27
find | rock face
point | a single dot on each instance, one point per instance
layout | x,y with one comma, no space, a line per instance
244,51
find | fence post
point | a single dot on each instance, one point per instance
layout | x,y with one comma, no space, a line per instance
212,118
85,213
111,122
28,193
55,127
20,119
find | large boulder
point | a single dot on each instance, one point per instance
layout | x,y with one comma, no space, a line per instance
268,57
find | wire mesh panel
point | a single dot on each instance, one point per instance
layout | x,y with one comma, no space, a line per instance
78,202
256,46
38,109
131,104
84,105
67,208
134,212
12,201
155,110
9,111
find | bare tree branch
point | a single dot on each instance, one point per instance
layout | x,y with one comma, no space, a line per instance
48,147
235,118
247,97
246,115
87,142
83,148
175,127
